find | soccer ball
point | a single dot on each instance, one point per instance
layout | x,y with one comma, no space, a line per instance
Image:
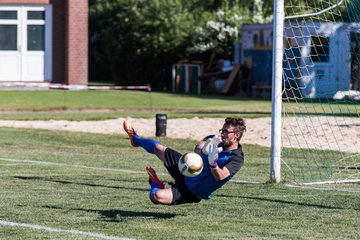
190,164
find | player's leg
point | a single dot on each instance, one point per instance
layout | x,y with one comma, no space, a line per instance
150,145
179,191
158,193
163,196
177,194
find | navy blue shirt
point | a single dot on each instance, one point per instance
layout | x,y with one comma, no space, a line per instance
205,183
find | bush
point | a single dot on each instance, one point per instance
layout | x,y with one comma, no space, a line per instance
136,42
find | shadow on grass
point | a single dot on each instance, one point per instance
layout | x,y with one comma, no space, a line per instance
76,183
288,202
120,215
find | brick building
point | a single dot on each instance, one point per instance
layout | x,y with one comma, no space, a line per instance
44,41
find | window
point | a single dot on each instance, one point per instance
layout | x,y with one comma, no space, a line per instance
36,15
320,49
36,36
8,37
8,15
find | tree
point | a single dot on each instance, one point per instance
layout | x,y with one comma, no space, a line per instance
134,42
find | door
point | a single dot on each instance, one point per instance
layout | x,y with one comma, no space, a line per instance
25,43
355,61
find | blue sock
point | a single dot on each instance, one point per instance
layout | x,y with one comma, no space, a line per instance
154,186
152,194
153,190
145,143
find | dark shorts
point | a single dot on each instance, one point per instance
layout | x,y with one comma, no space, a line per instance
181,194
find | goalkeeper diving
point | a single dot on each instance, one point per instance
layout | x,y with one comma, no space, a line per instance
222,157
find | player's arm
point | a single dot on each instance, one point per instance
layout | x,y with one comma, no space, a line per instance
201,144
231,167
220,173
216,171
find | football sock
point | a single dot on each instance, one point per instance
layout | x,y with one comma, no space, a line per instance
145,143
153,190
154,187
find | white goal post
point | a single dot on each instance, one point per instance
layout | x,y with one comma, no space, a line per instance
277,73
315,134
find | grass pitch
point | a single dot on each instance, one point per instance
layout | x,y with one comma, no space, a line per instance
94,186
100,105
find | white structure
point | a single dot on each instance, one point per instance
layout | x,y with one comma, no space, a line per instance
25,48
317,56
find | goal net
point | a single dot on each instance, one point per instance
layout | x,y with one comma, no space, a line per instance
320,132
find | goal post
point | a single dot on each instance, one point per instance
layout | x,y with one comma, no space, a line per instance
278,36
315,134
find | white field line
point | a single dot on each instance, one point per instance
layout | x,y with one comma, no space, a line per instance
245,182
162,174
72,231
70,165
322,189
102,169
143,172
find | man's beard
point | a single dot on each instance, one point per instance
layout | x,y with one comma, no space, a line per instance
225,143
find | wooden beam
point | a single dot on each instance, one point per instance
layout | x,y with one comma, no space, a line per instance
230,79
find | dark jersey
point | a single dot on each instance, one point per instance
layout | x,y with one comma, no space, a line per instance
205,183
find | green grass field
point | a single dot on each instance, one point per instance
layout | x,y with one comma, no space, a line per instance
67,185
96,184
100,105
109,104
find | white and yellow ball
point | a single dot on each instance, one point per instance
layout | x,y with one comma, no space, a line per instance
190,164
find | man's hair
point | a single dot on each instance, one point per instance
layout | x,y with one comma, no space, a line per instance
238,124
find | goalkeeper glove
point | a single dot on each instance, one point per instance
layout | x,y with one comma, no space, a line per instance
214,140
213,155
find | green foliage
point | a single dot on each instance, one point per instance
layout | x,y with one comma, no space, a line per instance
219,32
136,42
